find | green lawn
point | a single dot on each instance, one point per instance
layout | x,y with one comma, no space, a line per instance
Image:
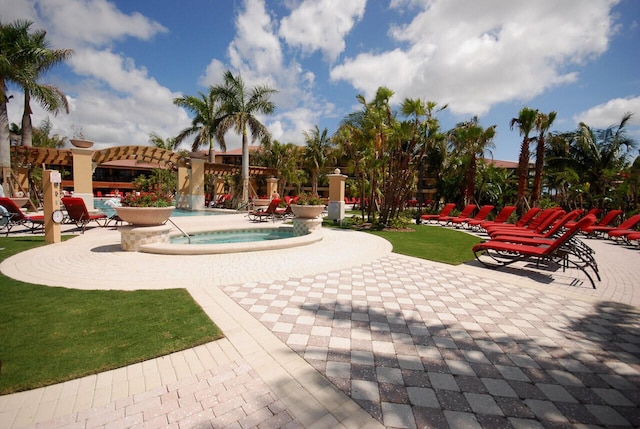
49,335
433,243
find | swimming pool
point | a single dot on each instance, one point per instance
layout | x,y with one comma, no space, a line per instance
235,236
210,242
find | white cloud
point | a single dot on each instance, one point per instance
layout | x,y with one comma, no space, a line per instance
12,10
322,25
474,55
95,22
611,113
256,53
116,102
255,49
213,73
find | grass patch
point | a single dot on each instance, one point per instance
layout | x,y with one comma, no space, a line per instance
433,243
51,334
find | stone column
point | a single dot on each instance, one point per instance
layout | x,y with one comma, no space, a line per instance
51,184
336,195
182,199
272,185
83,175
196,184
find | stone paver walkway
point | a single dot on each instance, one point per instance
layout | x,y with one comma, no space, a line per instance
418,345
350,340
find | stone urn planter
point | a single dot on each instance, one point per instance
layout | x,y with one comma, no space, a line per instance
145,216
84,144
304,211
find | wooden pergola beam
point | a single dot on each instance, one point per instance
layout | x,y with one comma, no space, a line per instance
151,155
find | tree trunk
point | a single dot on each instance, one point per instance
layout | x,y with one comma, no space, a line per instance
27,127
245,169
471,181
5,140
314,183
523,173
212,154
537,181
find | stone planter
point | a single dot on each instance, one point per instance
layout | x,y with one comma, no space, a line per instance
307,211
145,215
20,202
85,144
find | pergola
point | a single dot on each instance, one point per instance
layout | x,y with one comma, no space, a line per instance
191,169
162,157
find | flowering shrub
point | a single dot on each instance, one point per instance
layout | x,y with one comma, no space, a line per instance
147,199
310,200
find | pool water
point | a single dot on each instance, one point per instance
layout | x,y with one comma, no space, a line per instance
236,236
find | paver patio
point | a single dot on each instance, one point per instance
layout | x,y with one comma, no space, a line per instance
360,337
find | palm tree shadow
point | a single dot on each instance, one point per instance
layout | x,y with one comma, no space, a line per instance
398,354
382,349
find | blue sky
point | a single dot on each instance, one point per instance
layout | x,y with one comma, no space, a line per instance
489,58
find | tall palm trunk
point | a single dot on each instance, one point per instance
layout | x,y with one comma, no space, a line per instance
245,167
537,181
212,153
314,183
470,189
27,127
5,140
523,174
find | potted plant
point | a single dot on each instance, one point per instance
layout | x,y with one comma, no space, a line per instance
78,139
308,206
146,208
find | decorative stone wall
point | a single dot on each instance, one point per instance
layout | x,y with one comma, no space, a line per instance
132,237
305,226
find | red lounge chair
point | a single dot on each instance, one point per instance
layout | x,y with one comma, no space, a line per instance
445,212
604,225
521,223
284,212
537,225
633,236
479,217
78,213
15,217
501,218
625,228
464,214
532,237
564,250
222,200
264,215
596,212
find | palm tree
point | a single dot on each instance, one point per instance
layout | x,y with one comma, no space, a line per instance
49,96
525,123
42,135
600,155
316,154
24,56
169,143
471,141
287,158
353,141
207,116
543,123
162,177
12,38
240,106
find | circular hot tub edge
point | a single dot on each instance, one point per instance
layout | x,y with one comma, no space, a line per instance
212,249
